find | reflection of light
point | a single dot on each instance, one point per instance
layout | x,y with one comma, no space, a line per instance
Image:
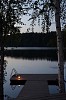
19,77
18,85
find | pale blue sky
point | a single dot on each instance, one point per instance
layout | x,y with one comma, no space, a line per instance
36,28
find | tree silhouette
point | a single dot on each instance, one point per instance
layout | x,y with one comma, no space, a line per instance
50,8
10,11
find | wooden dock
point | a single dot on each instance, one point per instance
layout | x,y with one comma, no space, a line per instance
36,87
35,77
33,89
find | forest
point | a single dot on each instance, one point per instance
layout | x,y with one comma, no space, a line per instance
33,40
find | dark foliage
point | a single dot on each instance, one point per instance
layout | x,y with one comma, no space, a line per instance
31,40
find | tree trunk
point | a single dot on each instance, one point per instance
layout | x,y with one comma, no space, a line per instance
59,48
1,59
1,73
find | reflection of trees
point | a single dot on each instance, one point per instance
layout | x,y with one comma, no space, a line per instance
13,72
1,88
13,87
8,97
3,73
33,54
2,79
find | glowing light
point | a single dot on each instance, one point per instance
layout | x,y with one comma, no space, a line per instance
19,77
19,85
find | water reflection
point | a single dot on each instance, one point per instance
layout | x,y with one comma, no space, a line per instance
2,80
33,54
1,88
28,62
10,91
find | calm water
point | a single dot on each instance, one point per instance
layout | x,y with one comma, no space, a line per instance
29,62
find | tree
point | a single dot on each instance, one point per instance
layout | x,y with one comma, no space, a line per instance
64,28
10,11
59,47
56,8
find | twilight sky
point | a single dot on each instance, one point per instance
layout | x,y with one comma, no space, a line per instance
37,28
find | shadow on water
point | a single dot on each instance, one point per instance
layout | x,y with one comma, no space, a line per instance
34,54
3,73
1,84
28,54
1,88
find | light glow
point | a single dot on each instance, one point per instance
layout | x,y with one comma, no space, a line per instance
19,77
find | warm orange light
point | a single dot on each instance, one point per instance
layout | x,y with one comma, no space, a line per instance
19,77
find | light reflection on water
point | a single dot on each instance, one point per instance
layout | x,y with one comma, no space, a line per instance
27,66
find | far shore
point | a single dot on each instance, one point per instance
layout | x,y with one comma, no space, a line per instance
30,48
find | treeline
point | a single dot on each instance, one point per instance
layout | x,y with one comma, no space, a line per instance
33,40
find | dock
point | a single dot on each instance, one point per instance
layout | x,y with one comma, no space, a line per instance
36,87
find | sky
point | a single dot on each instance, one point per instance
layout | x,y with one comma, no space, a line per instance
37,28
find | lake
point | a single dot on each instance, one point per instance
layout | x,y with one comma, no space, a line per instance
36,61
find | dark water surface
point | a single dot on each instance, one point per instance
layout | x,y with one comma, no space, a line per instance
29,62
